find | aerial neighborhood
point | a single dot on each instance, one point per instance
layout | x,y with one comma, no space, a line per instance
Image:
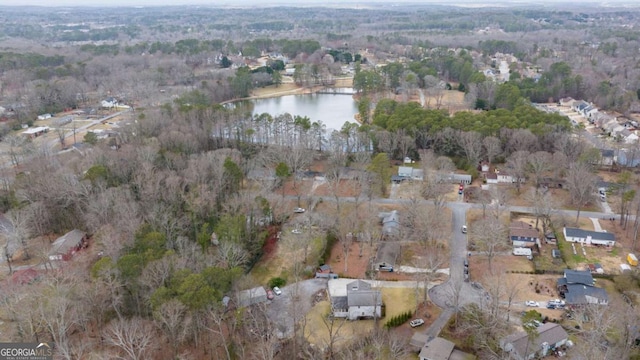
320,181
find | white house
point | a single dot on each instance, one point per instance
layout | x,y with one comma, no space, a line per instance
520,347
522,234
506,178
109,103
360,302
589,237
44,116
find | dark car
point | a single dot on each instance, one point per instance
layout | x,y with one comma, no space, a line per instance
551,306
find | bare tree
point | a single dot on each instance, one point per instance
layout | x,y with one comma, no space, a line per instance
491,238
231,254
540,162
61,133
471,144
132,338
581,184
492,147
171,316
333,326
517,165
543,204
18,231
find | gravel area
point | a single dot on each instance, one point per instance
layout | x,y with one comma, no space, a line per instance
294,303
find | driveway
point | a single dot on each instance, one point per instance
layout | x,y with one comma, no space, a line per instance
294,303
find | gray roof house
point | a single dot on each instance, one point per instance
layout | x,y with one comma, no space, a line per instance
577,287
409,173
251,296
361,302
390,223
65,246
550,336
454,178
436,349
589,237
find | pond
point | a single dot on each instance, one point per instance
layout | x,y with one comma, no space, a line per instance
332,109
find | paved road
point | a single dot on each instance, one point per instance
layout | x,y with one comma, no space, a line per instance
455,292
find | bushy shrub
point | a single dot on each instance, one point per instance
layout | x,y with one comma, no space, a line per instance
277,281
398,320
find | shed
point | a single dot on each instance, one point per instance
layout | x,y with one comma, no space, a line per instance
65,246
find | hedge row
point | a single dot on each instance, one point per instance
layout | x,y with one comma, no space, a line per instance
398,320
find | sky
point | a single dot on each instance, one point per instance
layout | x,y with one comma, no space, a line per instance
58,3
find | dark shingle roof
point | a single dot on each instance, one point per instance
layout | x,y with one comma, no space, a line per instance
581,277
596,235
577,294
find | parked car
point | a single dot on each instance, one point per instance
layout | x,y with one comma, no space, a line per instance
551,306
270,295
464,229
277,290
296,231
299,210
556,302
416,322
532,303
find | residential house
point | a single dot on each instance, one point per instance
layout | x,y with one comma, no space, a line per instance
523,234
390,223
360,302
589,237
253,296
409,173
491,178
568,101
64,120
109,103
454,178
577,288
436,349
550,337
36,131
505,178
44,116
387,255
65,246
628,158
607,156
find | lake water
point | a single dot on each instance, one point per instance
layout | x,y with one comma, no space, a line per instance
332,109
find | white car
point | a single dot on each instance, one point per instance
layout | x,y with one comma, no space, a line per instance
532,303
296,231
299,210
416,322
464,229
277,290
